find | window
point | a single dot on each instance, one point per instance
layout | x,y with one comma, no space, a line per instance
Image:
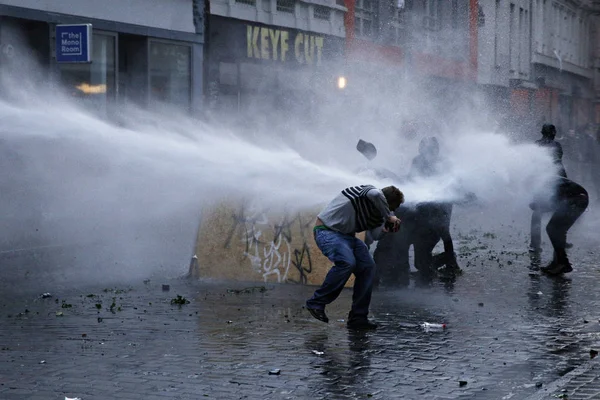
286,5
170,73
322,12
365,18
431,21
94,83
247,2
512,39
397,26
496,33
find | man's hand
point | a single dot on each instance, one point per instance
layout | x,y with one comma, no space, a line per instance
392,224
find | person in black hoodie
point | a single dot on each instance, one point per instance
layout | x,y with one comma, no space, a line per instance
567,202
548,141
432,219
423,225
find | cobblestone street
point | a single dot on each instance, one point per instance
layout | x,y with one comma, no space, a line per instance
509,336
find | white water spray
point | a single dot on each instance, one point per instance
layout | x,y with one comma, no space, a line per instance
70,176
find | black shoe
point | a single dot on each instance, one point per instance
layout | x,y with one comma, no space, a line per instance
557,268
318,314
568,245
361,324
535,250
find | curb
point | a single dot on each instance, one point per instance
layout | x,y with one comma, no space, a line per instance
549,390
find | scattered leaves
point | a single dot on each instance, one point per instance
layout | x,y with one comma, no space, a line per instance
179,300
260,289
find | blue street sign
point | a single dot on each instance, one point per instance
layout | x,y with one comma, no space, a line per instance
74,43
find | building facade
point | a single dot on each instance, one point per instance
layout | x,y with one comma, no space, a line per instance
143,52
428,44
543,68
271,56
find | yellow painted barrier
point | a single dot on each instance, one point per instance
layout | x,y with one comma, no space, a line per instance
244,242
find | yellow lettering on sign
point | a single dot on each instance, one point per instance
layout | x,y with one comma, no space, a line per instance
319,44
273,44
249,40
309,49
274,33
297,43
255,32
284,44
264,43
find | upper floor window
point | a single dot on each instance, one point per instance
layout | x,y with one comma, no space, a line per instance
286,5
365,18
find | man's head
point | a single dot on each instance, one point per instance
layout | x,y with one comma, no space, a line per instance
549,131
429,147
394,196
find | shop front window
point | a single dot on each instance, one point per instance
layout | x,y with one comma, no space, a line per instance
94,83
170,74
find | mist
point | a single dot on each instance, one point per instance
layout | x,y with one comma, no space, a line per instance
125,197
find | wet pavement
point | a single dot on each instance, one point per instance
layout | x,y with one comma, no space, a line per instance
510,335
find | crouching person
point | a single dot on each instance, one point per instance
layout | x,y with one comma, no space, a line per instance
567,202
355,209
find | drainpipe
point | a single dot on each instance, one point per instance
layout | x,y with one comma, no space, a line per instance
473,40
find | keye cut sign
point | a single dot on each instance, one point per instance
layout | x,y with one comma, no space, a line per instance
74,43
270,43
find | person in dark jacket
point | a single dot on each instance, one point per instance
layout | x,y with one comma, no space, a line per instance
567,202
423,225
432,218
548,141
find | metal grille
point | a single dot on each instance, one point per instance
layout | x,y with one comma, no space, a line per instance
247,2
286,5
322,12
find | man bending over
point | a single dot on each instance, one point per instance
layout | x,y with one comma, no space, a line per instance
355,209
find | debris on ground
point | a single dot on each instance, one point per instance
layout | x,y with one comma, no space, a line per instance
59,314
72,398
275,371
45,295
462,383
179,300
593,353
260,289
166,288
319,353
429,327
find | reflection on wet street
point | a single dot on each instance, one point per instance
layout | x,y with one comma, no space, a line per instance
510,331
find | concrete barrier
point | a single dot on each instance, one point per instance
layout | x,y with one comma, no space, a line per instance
245,242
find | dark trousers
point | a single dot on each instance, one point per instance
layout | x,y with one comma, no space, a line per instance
349,255
433,224
561,221
422,227
391,255
536,230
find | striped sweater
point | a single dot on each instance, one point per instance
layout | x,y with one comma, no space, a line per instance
356,209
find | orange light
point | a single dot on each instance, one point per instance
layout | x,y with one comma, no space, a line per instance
91,89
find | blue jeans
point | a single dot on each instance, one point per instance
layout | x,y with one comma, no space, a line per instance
349,256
